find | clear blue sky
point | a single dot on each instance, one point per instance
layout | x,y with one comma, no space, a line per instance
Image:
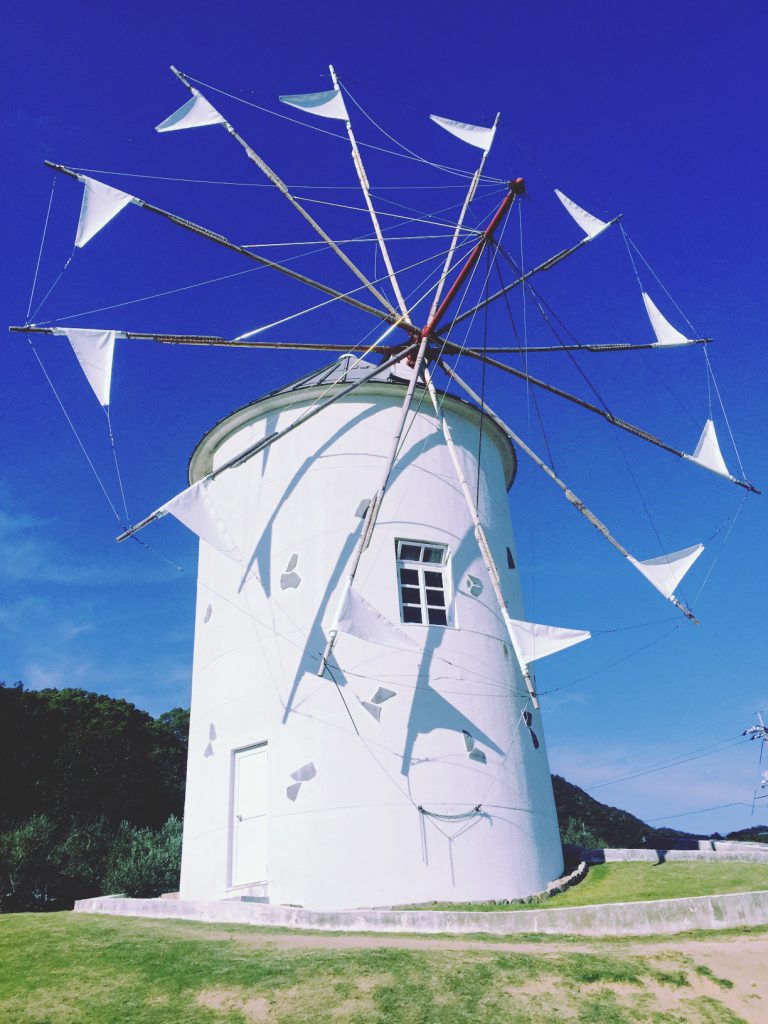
657,112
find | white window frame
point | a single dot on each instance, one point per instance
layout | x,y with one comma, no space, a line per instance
420,567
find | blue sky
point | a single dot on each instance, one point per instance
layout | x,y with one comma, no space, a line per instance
655,112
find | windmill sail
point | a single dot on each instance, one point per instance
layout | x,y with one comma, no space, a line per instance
324,104
708,452
361,619
475,135
591,226
95,352
536,641
100,204
666,571
194,508
666,334
195,113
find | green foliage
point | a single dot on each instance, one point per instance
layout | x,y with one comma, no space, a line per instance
143,862
578,833
45,865
70,754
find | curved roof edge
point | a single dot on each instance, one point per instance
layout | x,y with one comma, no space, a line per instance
324,382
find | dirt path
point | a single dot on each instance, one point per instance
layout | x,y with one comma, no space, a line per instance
732,970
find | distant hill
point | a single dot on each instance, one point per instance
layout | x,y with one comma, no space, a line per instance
608,825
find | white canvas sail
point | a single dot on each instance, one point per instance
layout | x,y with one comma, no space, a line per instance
324,104
589,224
708,452
665,333
95,352
358,617
666,571
100,204
536,641
197,112
194,508
474,134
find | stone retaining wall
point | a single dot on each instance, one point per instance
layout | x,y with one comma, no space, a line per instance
649,917
657,917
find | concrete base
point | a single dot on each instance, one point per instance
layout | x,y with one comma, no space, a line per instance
661,917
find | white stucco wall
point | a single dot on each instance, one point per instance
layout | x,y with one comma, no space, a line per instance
354,835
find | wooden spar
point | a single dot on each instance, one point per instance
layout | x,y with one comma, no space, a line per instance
357,160
630,428
265,442
278,182
572,498
618,346
218,342
480,536
213,236
309,346
459,223
546,265
371,515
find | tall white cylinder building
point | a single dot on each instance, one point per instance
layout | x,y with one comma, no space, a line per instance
415,769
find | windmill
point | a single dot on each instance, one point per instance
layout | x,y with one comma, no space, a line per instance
365,722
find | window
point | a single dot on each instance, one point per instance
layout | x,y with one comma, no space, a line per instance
422,571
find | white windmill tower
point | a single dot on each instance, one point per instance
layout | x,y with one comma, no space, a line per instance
365,728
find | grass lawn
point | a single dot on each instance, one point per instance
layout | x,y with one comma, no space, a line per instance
84,969
627,882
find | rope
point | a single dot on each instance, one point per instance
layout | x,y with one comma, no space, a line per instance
477,809
74,431
40,250
262,184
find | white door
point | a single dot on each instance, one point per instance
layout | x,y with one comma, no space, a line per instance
249,827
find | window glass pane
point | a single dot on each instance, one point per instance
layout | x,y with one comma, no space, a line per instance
437,616
411,595
410,552
410,576
435,597
433,579
411,614
434,554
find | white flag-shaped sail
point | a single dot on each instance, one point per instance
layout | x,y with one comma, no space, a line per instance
361,619
100,204
474,134
324,104
95,352
536,641
194,508
665,333
196,113
589,224
708,452
666,571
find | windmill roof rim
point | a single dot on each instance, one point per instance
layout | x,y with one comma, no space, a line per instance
201,459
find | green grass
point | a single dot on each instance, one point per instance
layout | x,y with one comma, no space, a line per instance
83,969
628,882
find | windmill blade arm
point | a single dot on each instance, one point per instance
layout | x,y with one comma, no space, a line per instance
618,346
574,500
615,421
277,181
546,265
215,341
214,236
